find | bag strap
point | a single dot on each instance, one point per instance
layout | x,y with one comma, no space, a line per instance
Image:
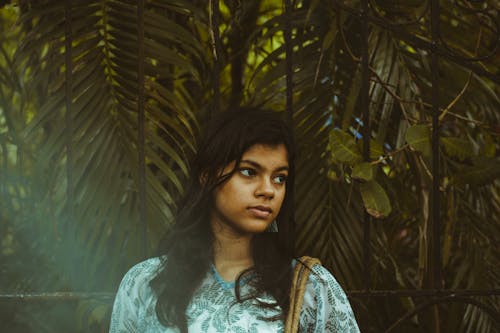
299,281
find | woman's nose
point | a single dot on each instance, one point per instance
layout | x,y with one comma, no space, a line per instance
265,188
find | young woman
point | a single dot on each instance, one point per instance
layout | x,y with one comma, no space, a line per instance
223,268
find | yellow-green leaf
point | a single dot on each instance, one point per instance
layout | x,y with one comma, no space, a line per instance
488,149
419,138
484,171
376,149
375,199
363,171
332,175
343,147
457,147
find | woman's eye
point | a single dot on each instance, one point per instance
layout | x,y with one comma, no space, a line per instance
247,172
279,179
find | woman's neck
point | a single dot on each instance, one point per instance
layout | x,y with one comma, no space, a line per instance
232,254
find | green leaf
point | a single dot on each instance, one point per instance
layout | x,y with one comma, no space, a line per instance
418,137
376,149
375,199
363,171
488,149
343,147
484,171
457,147
332,175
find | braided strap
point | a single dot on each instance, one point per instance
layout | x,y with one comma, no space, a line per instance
299,281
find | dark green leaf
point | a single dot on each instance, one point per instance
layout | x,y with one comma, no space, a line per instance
375,199
457,147
484,171
343,147
363,171
418,137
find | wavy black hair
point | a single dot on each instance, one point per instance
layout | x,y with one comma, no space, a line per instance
187,250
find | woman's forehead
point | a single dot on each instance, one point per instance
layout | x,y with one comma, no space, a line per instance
266,154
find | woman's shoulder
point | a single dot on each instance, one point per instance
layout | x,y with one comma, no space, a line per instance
320,275
145,268
326,305
134,299
139,275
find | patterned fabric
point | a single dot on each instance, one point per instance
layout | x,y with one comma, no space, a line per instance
214,308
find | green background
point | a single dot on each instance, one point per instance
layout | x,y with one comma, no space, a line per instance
101,103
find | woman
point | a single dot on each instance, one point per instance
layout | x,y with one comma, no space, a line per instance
222,268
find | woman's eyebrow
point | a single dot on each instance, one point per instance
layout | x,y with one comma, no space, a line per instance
258,166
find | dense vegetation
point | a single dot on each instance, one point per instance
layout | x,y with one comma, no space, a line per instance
73,185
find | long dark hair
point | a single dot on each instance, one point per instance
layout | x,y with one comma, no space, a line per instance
188,248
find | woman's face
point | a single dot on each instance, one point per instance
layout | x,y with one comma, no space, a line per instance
251,198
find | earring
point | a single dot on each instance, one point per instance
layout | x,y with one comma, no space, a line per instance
273,227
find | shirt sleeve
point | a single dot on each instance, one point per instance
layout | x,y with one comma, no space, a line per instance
325,308
131,297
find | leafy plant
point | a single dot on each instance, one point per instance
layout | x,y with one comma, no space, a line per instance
101,102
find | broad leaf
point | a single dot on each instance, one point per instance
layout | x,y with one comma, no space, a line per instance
376,148
363,171
484,171
419,138
457,147
343,147
375,199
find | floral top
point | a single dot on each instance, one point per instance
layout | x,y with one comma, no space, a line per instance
214,309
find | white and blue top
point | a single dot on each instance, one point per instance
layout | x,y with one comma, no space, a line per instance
214,308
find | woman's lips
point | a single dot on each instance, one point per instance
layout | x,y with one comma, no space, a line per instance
260,211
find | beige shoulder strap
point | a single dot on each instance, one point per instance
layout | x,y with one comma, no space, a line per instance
299,281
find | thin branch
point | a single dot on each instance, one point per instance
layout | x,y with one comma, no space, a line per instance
316,74
460,94
446,110
427,171
391,154
455,100
348,49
